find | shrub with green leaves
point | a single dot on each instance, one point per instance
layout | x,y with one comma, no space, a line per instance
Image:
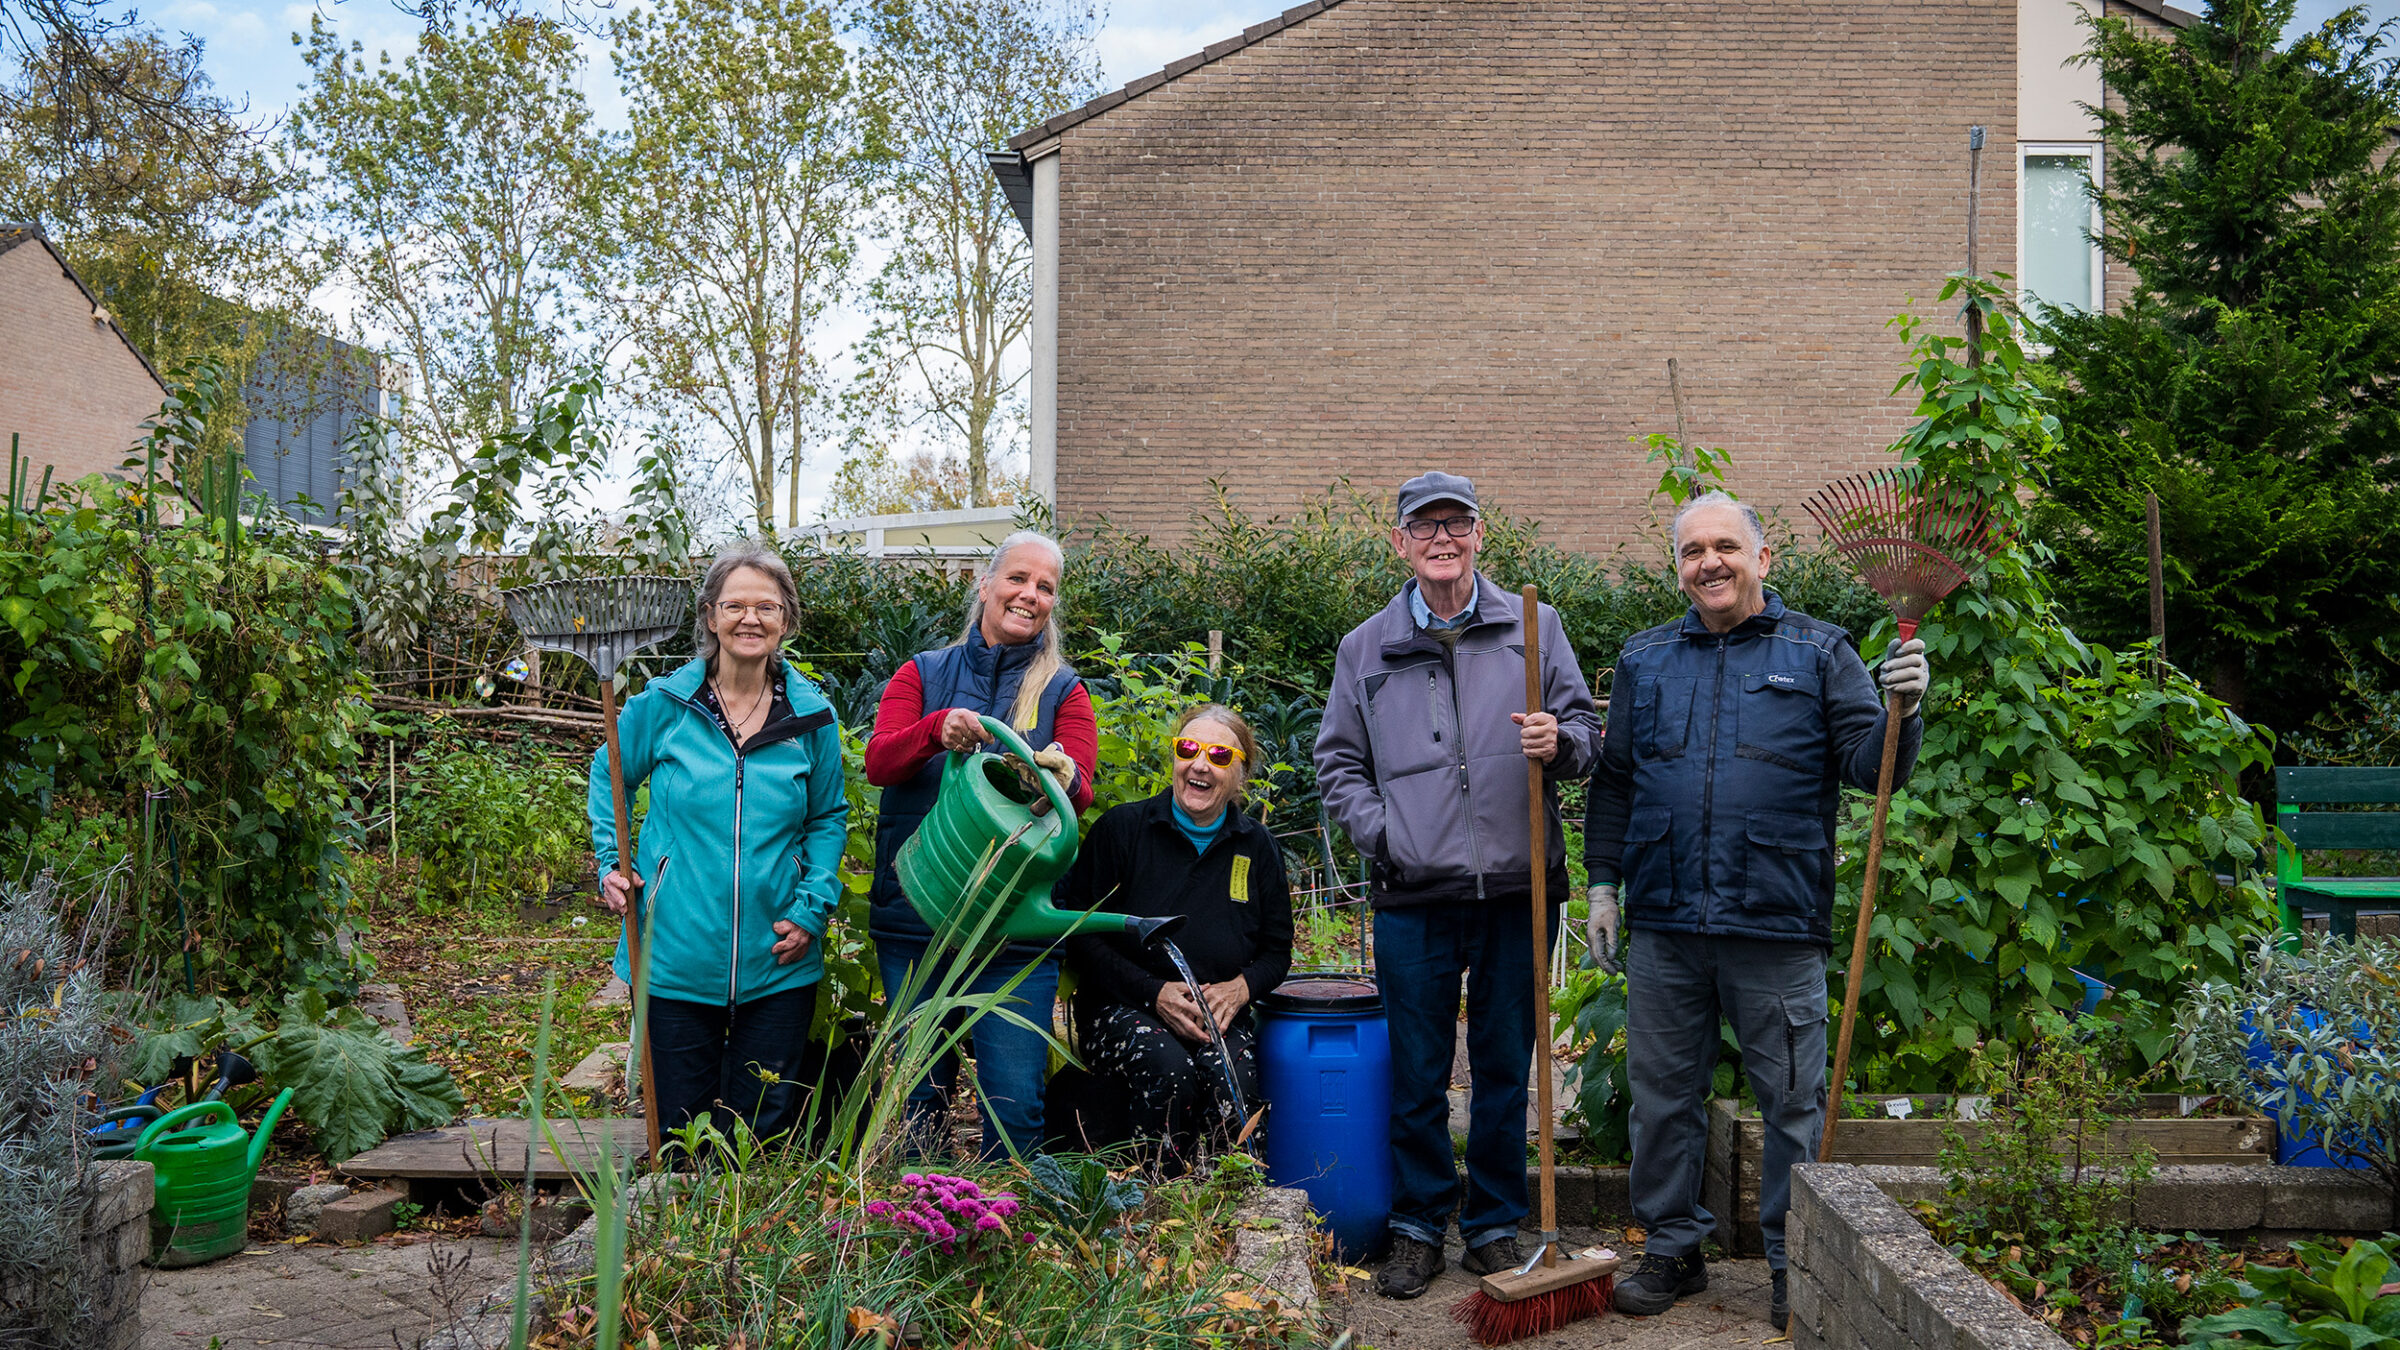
494,822
351,1082
2312,1038
208,675
2071,807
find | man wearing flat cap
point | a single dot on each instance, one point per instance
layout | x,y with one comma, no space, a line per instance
1421,760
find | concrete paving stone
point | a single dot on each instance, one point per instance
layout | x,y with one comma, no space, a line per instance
358,1218
2325,1200
122,1192
313,1297
303,1208
2217,1197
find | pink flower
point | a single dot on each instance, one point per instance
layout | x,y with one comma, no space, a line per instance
879,1208
987,1223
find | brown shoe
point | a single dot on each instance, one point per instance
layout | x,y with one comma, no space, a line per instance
1410,1268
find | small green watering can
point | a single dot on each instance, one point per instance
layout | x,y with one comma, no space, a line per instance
204,1171
983,810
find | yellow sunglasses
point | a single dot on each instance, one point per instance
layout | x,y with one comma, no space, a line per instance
1187,748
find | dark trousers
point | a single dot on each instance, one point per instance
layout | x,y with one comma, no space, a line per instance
1174,1092
1420,953
707,1059
1677,986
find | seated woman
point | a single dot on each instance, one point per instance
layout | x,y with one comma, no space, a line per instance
738,853
1189,850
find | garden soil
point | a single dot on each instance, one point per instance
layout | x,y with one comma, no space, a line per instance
1732,1312
369,1296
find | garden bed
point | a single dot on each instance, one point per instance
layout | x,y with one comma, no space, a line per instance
1866,1272
1737,1141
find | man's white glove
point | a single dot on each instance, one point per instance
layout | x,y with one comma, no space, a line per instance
1906,674
1600,929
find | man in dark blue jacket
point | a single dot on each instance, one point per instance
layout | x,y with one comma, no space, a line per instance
1730,736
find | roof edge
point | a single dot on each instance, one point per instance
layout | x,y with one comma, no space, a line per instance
33,231
1215,51
2163,12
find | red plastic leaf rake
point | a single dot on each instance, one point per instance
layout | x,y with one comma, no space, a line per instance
1912,542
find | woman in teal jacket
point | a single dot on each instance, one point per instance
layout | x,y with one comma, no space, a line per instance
737,854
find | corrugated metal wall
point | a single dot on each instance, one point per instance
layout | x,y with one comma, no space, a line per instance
304,398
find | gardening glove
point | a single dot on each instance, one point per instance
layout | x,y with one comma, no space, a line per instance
1906,674
1600,930
1059,765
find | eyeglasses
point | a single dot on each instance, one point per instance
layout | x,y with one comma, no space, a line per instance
1457,527
1220,755
734,611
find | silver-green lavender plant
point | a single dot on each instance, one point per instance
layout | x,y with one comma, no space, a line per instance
55,1040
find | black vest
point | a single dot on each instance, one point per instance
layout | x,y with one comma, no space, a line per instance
980,678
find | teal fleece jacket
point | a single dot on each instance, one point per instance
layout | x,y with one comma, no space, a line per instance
731,843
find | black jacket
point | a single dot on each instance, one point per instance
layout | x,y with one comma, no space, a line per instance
1235,895
1722,768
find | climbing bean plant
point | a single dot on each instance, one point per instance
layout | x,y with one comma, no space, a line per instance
2073,806
201,674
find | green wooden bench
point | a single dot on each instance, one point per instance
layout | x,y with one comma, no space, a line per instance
2342,899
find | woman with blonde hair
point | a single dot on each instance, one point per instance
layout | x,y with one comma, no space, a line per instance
1006,665
1189,850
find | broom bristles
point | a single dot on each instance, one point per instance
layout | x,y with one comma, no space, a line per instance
1492,1322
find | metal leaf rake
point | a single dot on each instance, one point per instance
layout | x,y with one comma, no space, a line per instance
1912,541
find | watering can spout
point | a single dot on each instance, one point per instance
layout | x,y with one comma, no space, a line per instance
1151,931
266,1127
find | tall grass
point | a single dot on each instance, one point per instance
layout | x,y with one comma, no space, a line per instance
792,1242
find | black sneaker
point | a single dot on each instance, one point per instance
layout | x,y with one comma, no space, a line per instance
1411,1266
1654,1287
1779,1305
1493,1257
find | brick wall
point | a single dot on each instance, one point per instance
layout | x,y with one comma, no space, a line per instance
69,386
1469,233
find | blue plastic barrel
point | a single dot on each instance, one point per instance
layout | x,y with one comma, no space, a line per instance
2299,1148
1325,1062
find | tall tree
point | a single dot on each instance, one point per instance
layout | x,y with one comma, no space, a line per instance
952,79
2253,378
152,185
452,191
735,196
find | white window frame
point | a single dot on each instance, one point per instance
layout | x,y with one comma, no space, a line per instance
2091,152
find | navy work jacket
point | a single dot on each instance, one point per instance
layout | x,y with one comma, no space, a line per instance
1721,769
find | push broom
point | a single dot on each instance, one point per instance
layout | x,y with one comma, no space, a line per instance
604,620
1551,1289
1911,542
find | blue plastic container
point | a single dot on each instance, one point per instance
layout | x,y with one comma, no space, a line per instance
1325,1062
2304,1148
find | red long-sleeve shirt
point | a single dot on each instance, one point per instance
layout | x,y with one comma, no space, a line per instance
907,735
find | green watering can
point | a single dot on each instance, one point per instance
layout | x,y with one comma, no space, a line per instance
983,810
204,1175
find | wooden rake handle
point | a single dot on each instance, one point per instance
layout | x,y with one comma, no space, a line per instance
1538,821
1855,977
639,985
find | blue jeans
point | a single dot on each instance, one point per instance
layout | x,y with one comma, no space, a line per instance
1011,1063
1420,952
1677,986
706,1059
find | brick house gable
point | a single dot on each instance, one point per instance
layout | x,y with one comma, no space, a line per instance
74,389
1375,236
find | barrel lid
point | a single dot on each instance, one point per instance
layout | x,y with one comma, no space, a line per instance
1325,992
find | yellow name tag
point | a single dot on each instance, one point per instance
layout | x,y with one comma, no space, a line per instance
1240,889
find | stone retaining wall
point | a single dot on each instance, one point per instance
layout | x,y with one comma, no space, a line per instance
116,1238
1866,1273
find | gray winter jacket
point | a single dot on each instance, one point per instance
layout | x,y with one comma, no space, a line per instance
1421,766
